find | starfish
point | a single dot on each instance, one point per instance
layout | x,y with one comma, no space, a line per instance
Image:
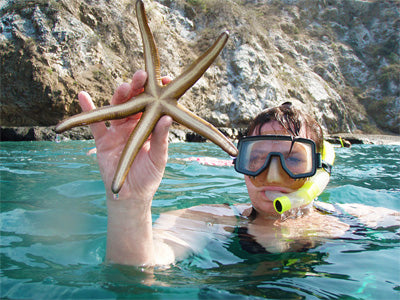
156,100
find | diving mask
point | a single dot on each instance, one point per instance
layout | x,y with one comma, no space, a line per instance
298,156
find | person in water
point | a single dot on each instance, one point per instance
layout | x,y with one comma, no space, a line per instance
294,141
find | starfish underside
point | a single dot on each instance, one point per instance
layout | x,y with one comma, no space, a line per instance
156,100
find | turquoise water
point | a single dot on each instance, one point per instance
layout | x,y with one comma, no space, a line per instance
53,231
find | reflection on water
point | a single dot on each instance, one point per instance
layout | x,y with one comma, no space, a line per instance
53,231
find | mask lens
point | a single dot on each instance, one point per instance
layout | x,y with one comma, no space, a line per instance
297,158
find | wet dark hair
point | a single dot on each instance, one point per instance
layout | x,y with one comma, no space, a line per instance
292,119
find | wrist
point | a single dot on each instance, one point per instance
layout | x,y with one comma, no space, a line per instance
129,233
128,197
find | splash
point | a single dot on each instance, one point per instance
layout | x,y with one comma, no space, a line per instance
297,212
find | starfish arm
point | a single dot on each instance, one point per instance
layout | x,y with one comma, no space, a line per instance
110,112
137,138
183,82
151,58
182,115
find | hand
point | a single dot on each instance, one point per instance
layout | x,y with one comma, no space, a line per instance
148,167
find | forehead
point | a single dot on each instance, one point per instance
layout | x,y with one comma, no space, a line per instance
274,127
283,146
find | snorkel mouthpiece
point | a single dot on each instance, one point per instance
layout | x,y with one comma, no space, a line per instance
309,191
303,196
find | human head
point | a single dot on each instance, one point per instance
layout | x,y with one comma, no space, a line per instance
282,120
290,118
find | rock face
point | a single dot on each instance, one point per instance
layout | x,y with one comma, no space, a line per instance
338,59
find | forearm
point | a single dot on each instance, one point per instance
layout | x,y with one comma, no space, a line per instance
130,235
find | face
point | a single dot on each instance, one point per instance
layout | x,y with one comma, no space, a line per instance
274,178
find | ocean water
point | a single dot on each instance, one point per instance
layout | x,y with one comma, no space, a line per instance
53,231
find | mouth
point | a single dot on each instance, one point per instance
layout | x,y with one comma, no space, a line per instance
272,192
279,189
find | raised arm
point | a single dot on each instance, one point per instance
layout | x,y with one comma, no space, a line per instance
129,236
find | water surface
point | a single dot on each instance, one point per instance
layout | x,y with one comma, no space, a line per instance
53,231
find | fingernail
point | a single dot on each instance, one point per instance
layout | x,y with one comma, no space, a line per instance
124,90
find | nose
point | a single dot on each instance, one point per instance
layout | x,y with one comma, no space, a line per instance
273,174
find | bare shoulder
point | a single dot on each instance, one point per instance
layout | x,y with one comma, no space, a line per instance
315,225
297,234
189,230
373,217
216,210
199,215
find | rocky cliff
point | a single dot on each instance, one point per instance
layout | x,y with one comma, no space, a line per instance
336,58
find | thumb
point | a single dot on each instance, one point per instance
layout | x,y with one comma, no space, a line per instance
159,142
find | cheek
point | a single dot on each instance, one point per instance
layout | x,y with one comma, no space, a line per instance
248,182
251,189
259,181
286,181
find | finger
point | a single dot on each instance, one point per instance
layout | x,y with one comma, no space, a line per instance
139,80
85,101
121,94
137,84
165,80
159,142
128,90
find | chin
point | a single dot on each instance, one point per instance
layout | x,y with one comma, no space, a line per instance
265,208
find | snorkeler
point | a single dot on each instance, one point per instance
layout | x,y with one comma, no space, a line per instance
282,156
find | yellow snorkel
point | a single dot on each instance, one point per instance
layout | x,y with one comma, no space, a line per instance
310,190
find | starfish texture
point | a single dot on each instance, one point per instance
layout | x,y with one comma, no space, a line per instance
156,100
